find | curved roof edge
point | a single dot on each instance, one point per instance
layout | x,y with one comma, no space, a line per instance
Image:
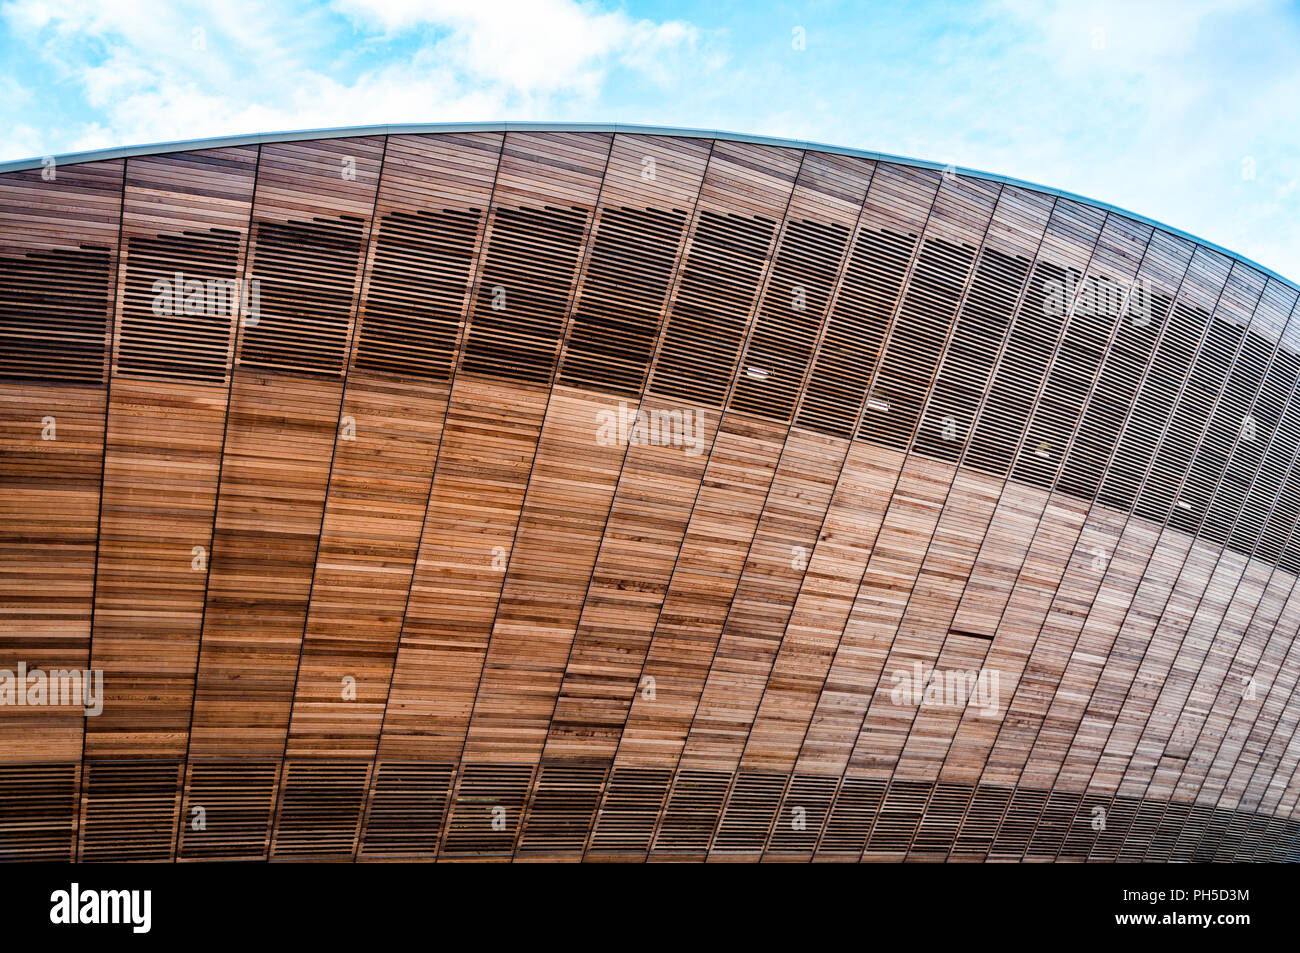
343,132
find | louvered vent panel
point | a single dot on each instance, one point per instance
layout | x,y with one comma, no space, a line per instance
1211,458
1273,847
1155,402
38,812
1228,847
938,829
981,821
968,362
632,805
408,803
908,365
418,288
803,811
794,302
692,812
1288,848
320,809
852,816
489,803
1020,372
1110,839
306,274
1216,828
1251,840
1053,824
1018,823
750,812
128,810
616,322
54,315
227,810
527,279
1088,822
1189,421
899,816
1273,474
179,306
716,293
563,807
1068,384
1162,844
1140,832
1237,501
1117,384
866,301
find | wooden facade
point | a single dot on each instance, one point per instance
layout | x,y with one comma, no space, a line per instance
564,494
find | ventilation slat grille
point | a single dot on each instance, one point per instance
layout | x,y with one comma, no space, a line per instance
527,278
938,829
627,818
54,315
320,809
38,812
489,802
306,274
750,812
803,812
715,296
692,811
179,306
899,816
416,295
128,810
981,821
968,362
563,808
873,280
407,807
908,365
228,807
616,322
852,816
789,318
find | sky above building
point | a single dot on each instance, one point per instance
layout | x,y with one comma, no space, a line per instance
1186,112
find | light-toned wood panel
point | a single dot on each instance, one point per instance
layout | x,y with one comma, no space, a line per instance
822,607
648,521
1255,717
756,621
487,449
1234,655
571,487
717,541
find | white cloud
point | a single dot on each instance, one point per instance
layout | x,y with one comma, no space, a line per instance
153,71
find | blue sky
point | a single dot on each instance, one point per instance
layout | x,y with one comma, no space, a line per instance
1188,112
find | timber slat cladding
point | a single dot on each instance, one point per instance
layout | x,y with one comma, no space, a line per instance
58,314
390,429
280,435
555,495
162,453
